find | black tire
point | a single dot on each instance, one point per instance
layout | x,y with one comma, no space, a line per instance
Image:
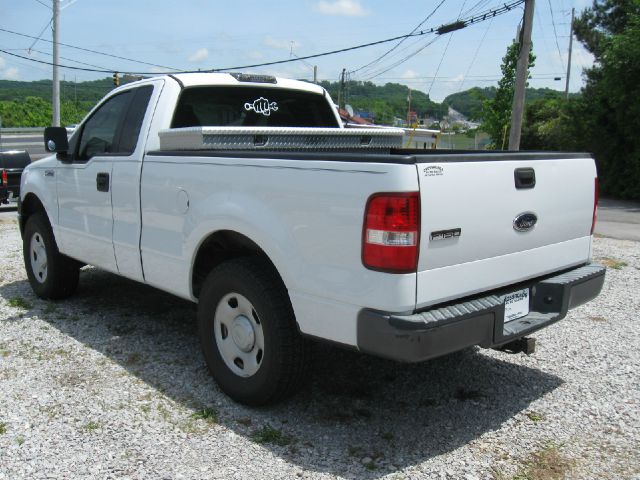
283,364
59,277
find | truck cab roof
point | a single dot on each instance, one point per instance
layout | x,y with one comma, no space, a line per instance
187,80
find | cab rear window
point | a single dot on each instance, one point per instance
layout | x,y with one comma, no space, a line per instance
222,106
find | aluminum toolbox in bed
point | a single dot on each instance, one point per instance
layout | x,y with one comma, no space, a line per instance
280,138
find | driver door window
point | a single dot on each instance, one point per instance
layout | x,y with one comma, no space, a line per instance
100,133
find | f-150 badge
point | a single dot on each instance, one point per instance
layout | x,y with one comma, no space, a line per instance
262,106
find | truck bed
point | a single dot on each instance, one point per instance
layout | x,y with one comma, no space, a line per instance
395,155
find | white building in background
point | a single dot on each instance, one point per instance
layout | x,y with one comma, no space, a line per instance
420,138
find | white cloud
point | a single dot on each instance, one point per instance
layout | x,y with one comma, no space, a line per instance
8,73
350,8
410,75
280,44
255,55
199,56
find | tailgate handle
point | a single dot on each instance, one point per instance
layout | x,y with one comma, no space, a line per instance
525,178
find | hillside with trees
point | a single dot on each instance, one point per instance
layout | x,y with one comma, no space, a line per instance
386,101
28,104
469,102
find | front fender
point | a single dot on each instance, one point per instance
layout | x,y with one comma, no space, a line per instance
39,180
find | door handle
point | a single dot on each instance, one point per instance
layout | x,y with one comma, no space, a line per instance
524,178
102,182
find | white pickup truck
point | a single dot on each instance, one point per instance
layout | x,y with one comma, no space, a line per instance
247,195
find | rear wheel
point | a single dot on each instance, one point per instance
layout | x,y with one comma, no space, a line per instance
249,334
52,275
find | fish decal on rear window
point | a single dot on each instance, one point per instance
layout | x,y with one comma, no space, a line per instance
262,106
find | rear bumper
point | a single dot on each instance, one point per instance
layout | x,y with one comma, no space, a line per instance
476,321
9,192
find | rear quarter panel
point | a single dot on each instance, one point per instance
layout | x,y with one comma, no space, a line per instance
306,215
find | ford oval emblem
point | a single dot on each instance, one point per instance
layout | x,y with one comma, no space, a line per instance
525,221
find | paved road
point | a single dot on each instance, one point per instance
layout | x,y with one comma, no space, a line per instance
618,219
32,143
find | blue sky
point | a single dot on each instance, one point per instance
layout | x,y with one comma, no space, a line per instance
201,34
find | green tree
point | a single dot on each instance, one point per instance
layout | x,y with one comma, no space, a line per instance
496,112
36,112
609,110
549,124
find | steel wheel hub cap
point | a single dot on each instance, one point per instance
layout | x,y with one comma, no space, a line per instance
238,334
38,255
242,333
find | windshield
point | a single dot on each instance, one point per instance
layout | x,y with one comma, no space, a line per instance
223,106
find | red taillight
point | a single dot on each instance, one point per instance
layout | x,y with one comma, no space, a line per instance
391,233
4,178
596,194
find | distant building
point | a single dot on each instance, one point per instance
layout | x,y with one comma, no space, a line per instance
355,119
369,116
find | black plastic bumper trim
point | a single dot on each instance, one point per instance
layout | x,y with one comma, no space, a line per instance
478,321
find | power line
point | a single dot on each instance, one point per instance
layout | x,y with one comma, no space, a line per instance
477,18
462,8
59,65
478,5
475,55
459,24
440,30
370,74
440,63
332,52
43,4
40,35
72,60
277,62
548,75
88,50
444,53
555,33
401,41
402,60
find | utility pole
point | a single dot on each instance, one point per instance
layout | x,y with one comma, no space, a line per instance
566,88
341,96
315,74
522,72
55,121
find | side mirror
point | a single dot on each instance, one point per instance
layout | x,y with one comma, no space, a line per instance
56,140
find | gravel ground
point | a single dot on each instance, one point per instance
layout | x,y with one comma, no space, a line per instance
111,384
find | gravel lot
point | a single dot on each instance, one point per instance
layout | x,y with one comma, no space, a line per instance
111,384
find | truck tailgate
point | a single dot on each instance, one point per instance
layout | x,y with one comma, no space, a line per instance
471,206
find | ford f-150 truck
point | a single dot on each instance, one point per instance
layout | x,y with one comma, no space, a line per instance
247,195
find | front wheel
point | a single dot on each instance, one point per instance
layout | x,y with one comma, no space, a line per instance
249,334
52,275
